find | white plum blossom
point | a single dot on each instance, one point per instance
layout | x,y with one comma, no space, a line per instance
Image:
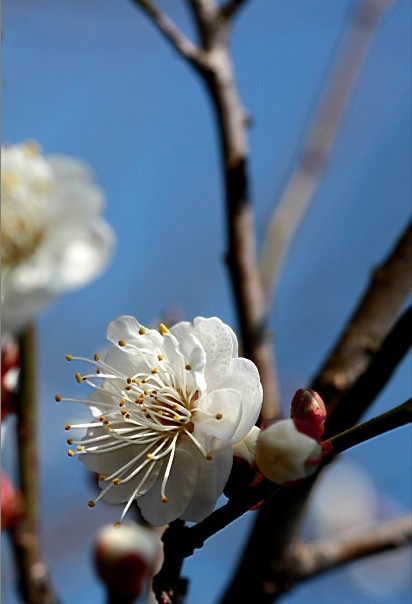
168,407
53,237
285,454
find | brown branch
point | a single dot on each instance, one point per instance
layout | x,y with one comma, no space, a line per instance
368,327
33,581
316,558
303,182
231,7
169,30
272,543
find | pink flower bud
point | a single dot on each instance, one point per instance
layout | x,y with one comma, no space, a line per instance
287,451
125,556
308,405
12,506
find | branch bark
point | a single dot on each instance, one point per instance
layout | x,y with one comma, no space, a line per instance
303,182
33,581
314,559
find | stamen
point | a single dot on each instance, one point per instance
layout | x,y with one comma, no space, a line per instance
121,343
163,329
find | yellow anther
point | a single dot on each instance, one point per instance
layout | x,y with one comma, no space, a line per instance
69,441
136,381
209,456
218,416
117,480
79,448
142,331
78,377
146,392
123,411
107,427
96,357
102,477
127,416
69,357
67,426
128,388
175,407
149,456
104,420
98,370
188,367
91,503
176,418
70,453
122,403
57,398
121,343
163,329
129,380
164,499
160,357
155,370
117,524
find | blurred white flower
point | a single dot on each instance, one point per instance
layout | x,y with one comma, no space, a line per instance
168,411
53,238
125,556
285,453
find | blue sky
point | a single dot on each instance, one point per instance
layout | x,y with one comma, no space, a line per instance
94,80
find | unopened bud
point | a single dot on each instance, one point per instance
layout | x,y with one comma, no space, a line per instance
309,406
287,451
125,556
12,506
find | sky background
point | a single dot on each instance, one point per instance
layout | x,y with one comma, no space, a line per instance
93,79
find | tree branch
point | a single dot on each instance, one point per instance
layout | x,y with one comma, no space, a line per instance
306,175
316,558
231,7
169,30
33,581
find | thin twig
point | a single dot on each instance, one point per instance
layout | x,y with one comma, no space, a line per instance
303,182
231,7
33,581
316,558
169,30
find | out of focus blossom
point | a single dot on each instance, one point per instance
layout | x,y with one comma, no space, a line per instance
11,504
53,237
169,408
288,450
125,557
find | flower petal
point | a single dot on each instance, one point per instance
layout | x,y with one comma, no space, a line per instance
126,329
242,375
179,491
218,418
217,340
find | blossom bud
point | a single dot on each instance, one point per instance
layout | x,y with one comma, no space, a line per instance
11,504
125,556
287,451
308,405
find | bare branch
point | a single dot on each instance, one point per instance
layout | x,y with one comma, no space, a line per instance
303,181
231,7
368,327
169,30
33,580
313,559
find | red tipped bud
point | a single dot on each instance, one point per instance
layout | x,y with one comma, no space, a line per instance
125,557
309,406
288,451
12,506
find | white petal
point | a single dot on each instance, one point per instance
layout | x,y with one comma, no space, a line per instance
242,375
217,340
224,411
212,477
179,491
246,448
127,328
